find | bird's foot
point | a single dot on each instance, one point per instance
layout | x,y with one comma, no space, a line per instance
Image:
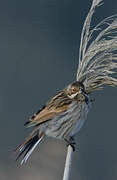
71,142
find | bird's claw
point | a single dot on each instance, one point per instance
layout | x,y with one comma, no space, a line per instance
71,143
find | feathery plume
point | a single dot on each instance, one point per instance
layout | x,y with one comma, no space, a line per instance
98,53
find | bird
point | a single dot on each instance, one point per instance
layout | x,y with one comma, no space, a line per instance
61,117
65,113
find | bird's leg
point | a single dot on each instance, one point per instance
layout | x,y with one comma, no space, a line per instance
71,142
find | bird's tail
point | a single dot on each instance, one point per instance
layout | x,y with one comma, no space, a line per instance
28,146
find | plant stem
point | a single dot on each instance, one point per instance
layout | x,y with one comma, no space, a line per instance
68,163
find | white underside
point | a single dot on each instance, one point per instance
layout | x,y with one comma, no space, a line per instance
70,122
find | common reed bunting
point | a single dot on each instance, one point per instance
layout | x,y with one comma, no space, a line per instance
64,114
61,118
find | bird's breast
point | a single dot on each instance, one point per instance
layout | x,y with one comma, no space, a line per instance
69,122
79,111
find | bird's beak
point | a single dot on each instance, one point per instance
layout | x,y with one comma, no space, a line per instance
86,97
83,93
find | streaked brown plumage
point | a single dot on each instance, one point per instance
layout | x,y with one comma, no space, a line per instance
61,118
64,114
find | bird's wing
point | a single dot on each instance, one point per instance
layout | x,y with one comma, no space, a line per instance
55,106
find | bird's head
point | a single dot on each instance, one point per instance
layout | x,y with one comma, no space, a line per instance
75,89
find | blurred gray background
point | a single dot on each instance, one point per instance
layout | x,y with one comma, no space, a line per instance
39,42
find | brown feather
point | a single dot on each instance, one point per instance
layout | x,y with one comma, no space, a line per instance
54,107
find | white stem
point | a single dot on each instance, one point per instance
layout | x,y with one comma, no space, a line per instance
68,163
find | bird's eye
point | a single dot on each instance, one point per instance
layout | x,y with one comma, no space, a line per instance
74,90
